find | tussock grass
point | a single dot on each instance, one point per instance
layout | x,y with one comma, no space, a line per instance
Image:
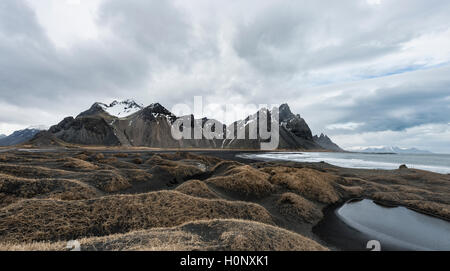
217,234
136,175
108,181
81,156
294,206
33,246
121,155
52,220
222,167
172,171
97,157
309,183
440,209
31,171
115,163
196,188
78,164
244,180
41,202
13,189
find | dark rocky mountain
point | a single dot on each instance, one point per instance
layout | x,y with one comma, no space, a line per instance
19,137
46,139
2,136
325,142
293,130
128,124
149,126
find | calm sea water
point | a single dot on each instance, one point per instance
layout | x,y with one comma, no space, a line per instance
439,163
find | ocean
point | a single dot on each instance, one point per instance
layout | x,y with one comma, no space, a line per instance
439,163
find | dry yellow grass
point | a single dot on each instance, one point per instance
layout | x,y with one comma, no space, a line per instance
81,156
174,171
6,157
78,164
97,157
108,181
31,171
13,189
297,207
222,167
121,155
244,180
41,202
136,175
196,188
229,235
434,208
309,183
53,220
33,246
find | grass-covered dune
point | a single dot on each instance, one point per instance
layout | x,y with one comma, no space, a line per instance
115,200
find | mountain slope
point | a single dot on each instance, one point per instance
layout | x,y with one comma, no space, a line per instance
128,124
19,136
325,142
294,132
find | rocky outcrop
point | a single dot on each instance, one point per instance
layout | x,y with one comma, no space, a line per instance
151,127
294,123
294,132
325,142
89,130
46,139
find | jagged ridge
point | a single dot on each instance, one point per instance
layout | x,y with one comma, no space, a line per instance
151,126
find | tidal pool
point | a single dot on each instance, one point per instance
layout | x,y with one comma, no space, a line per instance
355,223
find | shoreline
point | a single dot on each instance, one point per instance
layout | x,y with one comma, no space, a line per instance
388,187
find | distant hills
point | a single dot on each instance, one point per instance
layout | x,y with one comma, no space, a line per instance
387,149
19,136
128,123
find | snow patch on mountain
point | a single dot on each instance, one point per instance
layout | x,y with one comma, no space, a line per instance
39,127
387,149
121,109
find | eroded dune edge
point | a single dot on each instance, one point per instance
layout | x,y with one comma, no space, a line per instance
119,200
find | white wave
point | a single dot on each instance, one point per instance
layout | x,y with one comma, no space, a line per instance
348,162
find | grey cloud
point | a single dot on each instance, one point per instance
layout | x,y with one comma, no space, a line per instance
35,73
416,99
286,37
260,52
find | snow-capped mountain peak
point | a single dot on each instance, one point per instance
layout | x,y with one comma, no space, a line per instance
387,149
39,127
121,109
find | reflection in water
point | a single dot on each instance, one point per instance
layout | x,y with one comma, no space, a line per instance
397,226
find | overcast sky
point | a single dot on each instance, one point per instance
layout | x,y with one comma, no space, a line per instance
365,72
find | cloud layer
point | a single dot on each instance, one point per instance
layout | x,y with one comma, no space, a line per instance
376,71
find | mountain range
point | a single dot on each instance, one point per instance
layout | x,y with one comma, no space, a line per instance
19,136
127,123
389,149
